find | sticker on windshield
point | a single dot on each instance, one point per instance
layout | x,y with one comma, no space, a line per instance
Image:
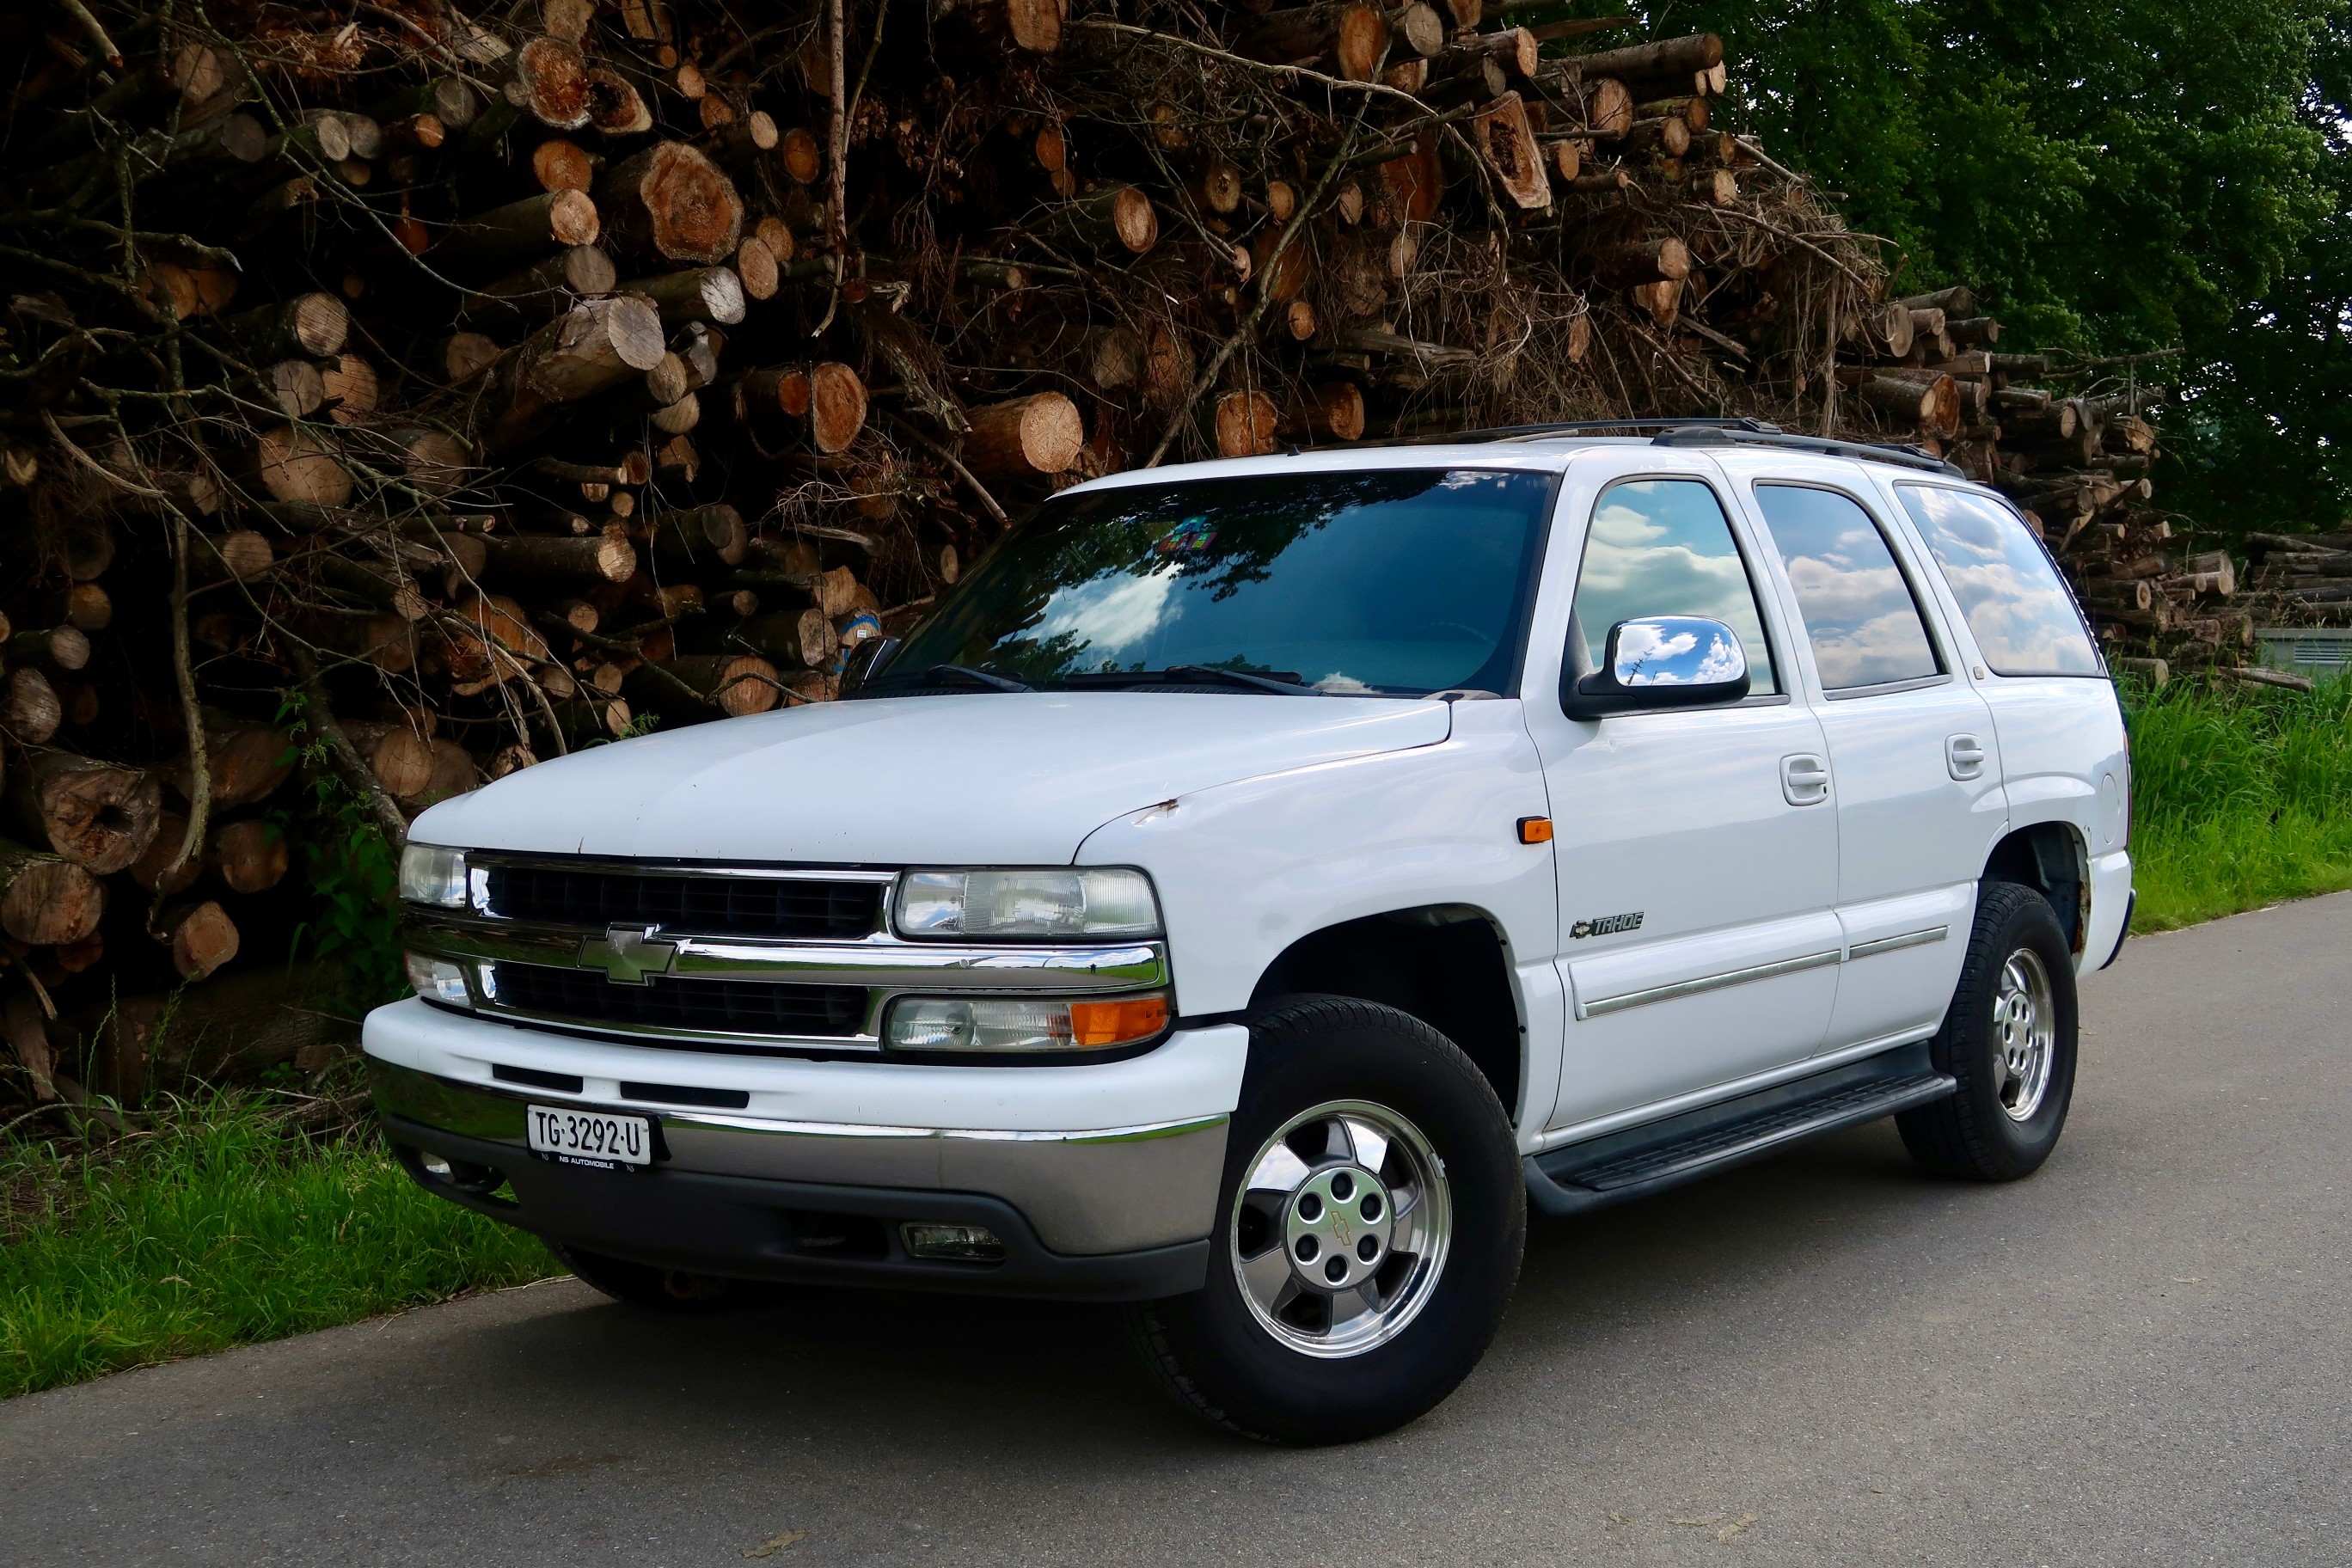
1187,538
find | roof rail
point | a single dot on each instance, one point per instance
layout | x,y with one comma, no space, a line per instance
1686,432
1568,427
1722,434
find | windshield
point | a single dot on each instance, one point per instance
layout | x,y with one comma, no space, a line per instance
1395,581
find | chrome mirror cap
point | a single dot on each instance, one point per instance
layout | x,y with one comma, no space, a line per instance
1658,662
1677,650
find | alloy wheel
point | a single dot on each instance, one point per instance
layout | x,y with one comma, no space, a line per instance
1341,1227
2025,1033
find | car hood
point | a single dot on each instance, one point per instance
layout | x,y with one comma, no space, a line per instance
1010,778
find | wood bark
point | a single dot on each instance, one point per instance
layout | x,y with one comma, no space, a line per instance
1932,403
697,294
514,234
312,325
1352,36
698,537
1025,438
1660,60
594,346
532,559
1645,261
1334,411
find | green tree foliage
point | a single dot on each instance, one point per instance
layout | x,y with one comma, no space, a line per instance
2112,177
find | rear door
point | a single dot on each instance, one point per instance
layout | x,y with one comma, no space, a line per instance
1914,759
1698,860
2061,735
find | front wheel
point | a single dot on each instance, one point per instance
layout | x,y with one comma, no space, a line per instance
2008,1041
1370,1229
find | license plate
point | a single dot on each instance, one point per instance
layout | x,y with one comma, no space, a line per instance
595,1137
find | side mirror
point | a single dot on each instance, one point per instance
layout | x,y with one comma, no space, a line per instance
1659,662
865,661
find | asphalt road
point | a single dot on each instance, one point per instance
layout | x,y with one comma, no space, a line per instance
2142,1355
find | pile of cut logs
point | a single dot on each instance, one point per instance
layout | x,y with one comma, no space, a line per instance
394,398
2078,465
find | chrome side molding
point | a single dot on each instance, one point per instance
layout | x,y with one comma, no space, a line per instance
1604,1004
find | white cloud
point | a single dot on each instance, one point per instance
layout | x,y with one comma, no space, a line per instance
1110,613
1724,662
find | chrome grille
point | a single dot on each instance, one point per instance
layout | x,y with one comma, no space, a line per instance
591,899
741,1007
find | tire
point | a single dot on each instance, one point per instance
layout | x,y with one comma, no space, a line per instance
656,1289
1396,1171
2013,1060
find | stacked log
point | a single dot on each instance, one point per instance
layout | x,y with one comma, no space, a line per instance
459,392
1930,371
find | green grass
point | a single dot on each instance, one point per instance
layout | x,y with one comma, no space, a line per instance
219,1224
2241,796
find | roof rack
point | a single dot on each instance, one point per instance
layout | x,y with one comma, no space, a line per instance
1723,433
1667,432
1569,427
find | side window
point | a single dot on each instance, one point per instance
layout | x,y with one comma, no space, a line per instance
1663,547
2019,611
1859,612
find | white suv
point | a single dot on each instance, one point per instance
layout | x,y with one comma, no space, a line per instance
1259,880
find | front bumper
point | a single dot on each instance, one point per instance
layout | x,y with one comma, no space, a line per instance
1110,1211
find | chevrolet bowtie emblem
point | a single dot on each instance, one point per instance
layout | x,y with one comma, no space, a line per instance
628,954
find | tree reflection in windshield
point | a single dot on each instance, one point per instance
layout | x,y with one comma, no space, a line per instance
1404,580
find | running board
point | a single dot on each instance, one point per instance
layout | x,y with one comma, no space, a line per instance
1646,1160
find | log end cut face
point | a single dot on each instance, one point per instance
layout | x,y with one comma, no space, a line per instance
693,211
554,75
50,902
98,816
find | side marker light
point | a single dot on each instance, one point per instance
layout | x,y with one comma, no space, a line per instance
1535,830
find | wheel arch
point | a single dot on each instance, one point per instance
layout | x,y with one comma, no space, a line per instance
2053,859
1446,964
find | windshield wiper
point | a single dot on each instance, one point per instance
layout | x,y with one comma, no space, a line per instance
976,676
1241,677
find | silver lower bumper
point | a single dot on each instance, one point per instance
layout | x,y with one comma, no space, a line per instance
1110,1190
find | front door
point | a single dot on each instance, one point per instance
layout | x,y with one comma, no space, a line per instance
1912,756
1697,850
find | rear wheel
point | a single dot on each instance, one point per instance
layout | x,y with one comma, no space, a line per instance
2009,1040
643,1285
1370,1229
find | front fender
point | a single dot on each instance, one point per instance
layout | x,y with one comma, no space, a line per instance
1245,869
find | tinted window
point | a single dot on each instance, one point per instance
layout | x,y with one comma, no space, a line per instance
2021,613
1663,547
1858,610
1404,580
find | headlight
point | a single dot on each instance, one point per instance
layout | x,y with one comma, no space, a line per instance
1021,1023
432,875
438,980
1072,903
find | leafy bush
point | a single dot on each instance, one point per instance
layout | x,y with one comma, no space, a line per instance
2241,797
353,874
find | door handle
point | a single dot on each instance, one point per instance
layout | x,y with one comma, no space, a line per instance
1804,779
1964,756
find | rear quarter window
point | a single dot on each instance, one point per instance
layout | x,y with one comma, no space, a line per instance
2024,621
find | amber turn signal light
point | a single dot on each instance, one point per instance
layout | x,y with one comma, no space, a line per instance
1535,830
1116,1022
